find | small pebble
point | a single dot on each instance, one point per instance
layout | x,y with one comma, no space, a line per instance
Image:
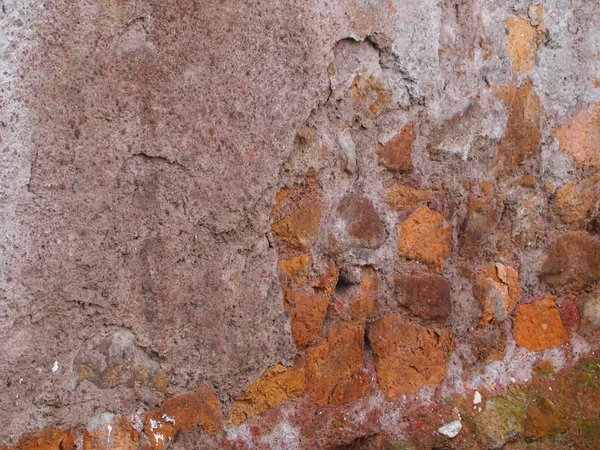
450,429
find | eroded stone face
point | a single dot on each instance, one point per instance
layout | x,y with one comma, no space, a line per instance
116,360
427,237
497,290
580,137
396,154
572,262
360,221
277,385
523,131
408,356
110,432
425,296
199,408
538,326
335,367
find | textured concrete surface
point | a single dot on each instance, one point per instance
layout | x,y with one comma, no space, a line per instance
192,192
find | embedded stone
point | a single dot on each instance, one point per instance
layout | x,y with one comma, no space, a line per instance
276,386
426,296
499,421
307,153
589,311
116,360
426,236
110,432
403,198
573,201
497,290
408,356
396,155
48,438
360,221
301,228
538,326
335,367
543,419
572,262
197,409
580,137
489,343
523,41
523,130
478,226
308,310
297,269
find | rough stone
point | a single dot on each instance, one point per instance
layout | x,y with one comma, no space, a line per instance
478,226
573,201
580,137
426,237
108,432
199,408
572,262
297,269
49,438
489,343
308,154
301,228
523,41
500,421
538,326
408,356
403,198
543,419
589,311
276,386
396,155
116,360
425,296
308,309
335,367
497,290
360,222
523,131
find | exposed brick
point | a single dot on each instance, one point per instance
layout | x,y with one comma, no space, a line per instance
276,386
335,367
396,155
538,326
426,237
408,356
199,408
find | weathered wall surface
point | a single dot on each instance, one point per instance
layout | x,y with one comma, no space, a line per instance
299,224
